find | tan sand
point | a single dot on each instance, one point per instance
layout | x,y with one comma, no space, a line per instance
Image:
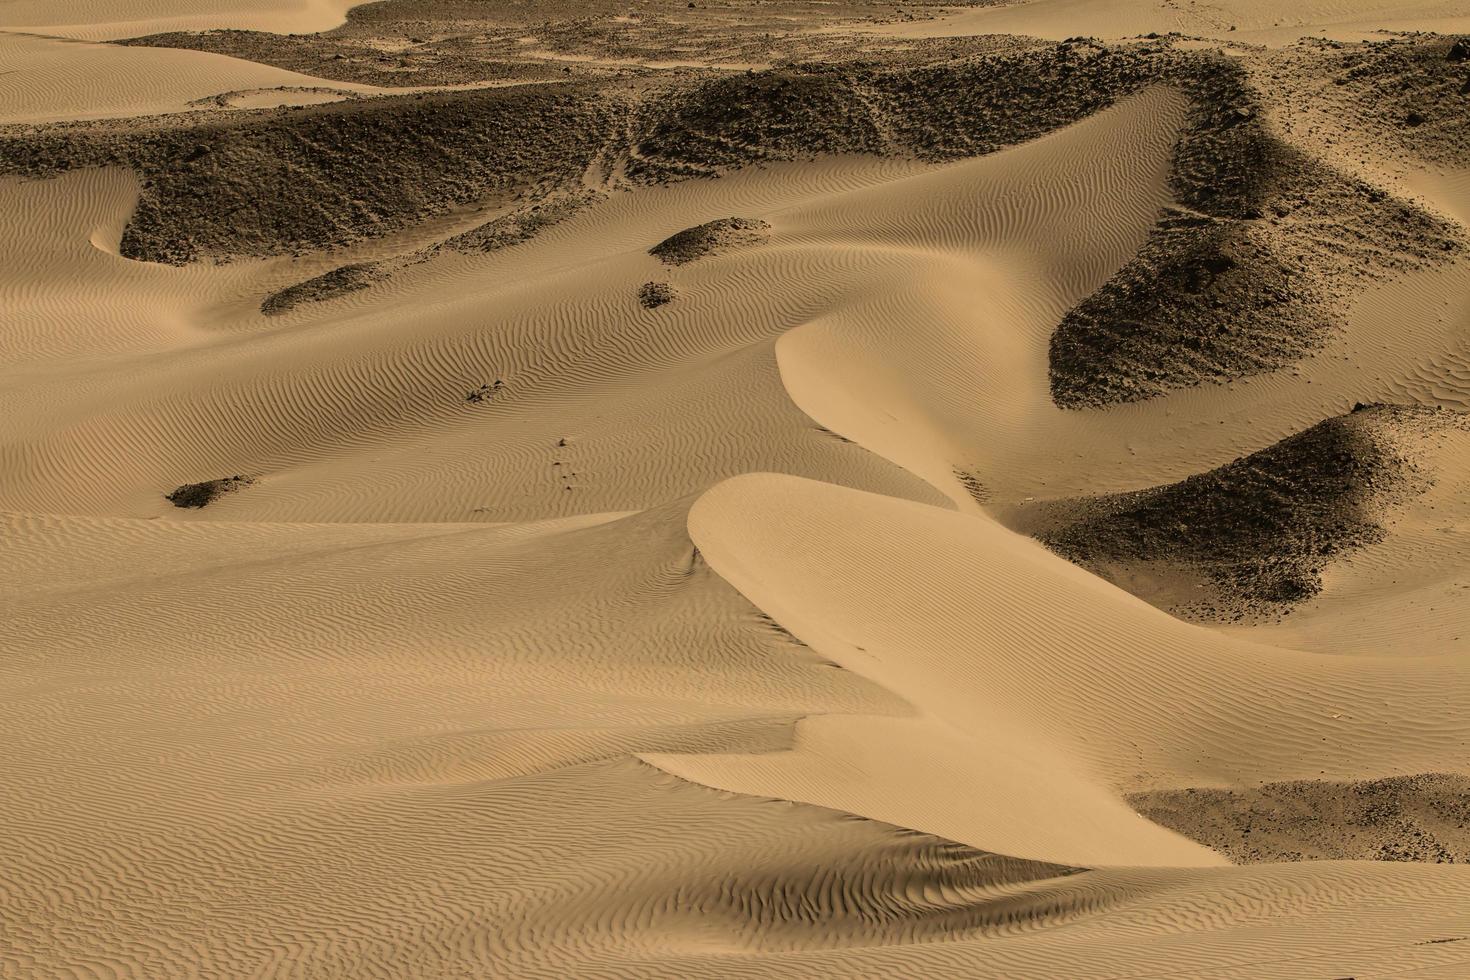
106,19
548,633
1241,21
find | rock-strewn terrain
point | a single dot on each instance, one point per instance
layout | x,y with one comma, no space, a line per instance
1252,536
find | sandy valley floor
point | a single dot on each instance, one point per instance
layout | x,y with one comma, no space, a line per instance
636,489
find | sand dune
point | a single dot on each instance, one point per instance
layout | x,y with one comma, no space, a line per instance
108,19
48,79
439,538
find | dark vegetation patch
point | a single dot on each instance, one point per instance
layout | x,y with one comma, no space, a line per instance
1402,818
329,285
1257,532
710,238
652,295
200,494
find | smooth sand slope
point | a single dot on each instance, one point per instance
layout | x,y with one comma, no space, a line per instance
553,633
106,19
47,79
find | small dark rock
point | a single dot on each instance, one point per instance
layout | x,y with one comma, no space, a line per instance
655,294
199,494
709,238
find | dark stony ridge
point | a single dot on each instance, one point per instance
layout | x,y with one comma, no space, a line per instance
709,238
346,55
965,107
733,121
1235,282
1201,300
955,108
1256,532
264,183
329,285
1248,276
197,495
1402,818
267,182
521,225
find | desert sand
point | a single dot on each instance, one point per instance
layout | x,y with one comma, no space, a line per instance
747,490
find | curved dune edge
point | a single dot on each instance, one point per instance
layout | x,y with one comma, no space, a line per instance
109,19
76,80
924,367
1037,667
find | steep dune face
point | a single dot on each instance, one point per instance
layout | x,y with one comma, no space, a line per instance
437,538
1071,676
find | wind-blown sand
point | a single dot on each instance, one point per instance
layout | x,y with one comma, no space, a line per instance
388,588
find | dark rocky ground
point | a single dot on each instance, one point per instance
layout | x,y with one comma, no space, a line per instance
1250,272
201,494
445,42
1424,817
710,238
268,182
1251,538
522,224
329,285
1246,274
652,295
1409,94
